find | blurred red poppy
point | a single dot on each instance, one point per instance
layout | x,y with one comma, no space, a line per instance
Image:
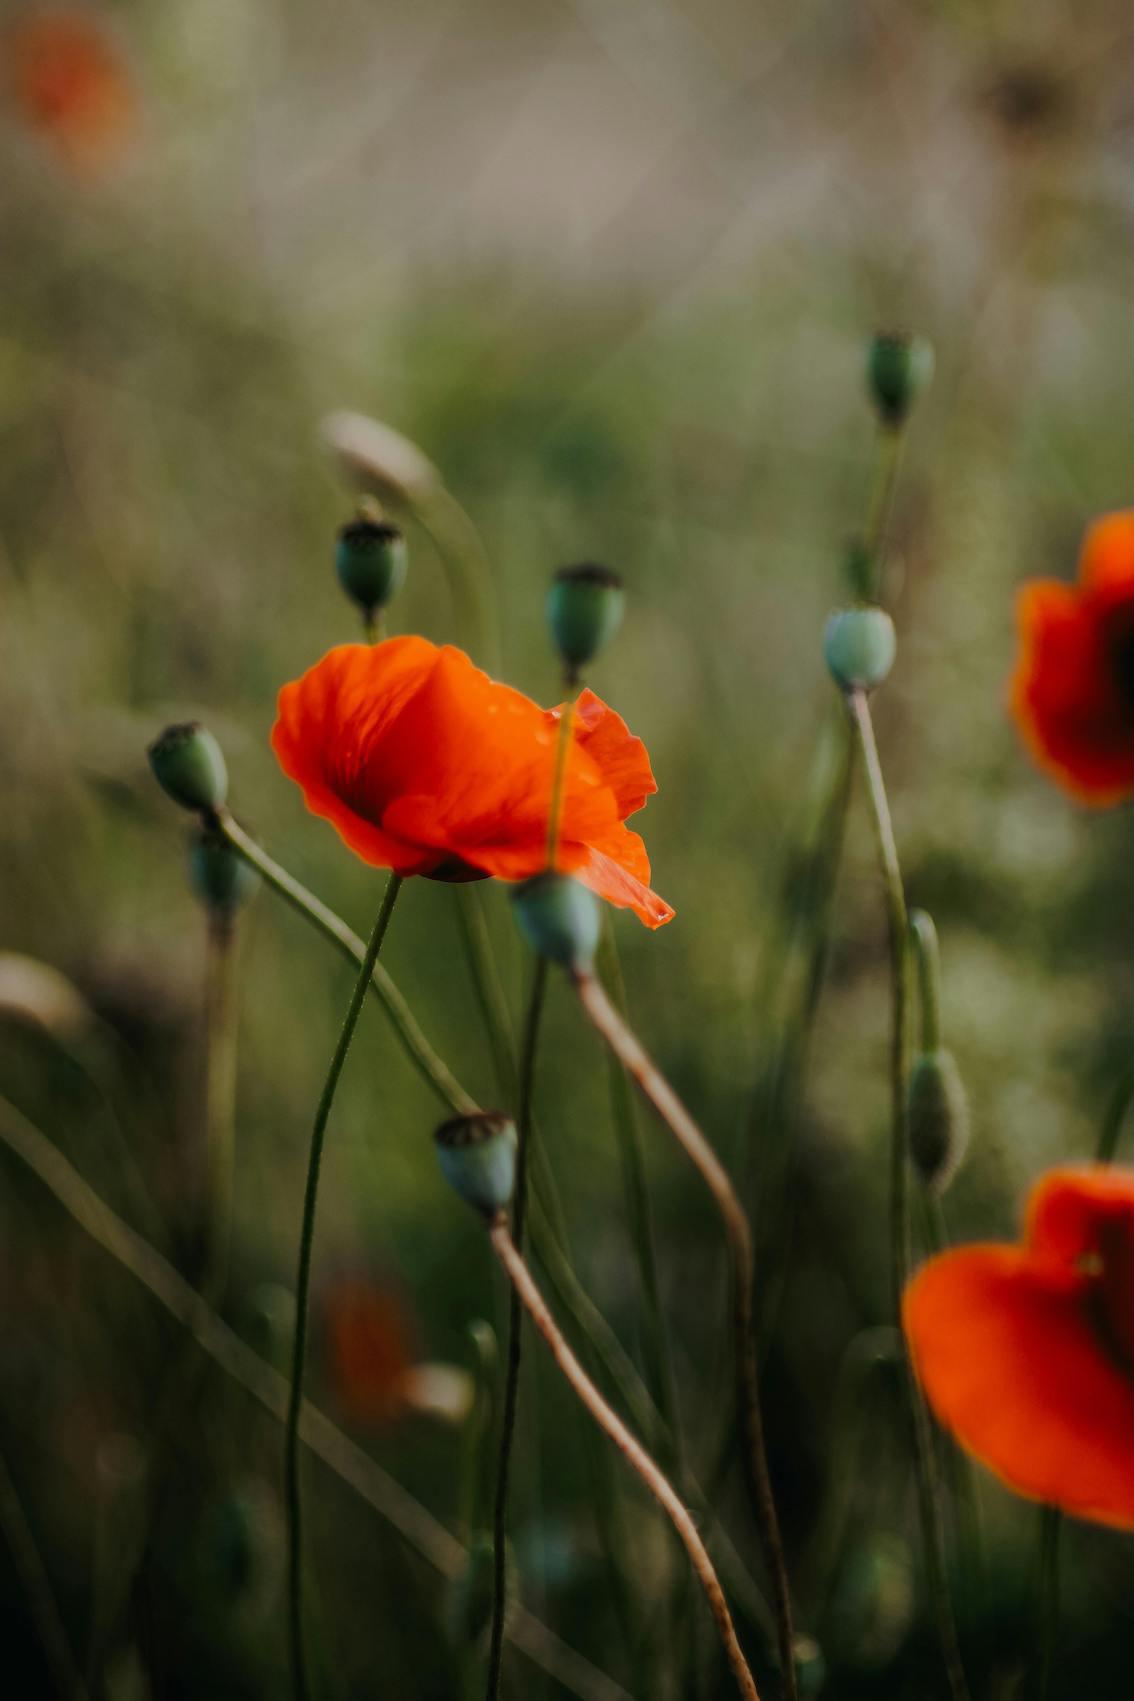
369,1348
70,84
1073,689
1026,1353
425,765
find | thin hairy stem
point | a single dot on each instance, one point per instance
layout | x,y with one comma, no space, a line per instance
459,544
558,781
433,1070
415,1525
1051,1526
927,956
900,1231
220,1096
655,1337
631,1450
624,1043
887,463
302,1292
515,1330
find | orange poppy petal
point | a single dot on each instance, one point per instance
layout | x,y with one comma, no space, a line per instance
1064,697
611,875
71,85
328,724
1106,565
621,758
1007,1349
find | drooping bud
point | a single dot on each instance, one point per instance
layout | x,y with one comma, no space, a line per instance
370,559
189,766
477,1154
560,918
938,1113
584,611
220,876
899,367
859,646
377,458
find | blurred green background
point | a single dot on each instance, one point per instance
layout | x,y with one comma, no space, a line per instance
613,266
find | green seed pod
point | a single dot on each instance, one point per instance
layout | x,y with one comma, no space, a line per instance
370,559
477,1154
584,611
899,367
219,875
938,1114
188,765
859,646
469,1599
560,918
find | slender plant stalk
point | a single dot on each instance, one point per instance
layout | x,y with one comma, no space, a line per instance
632,1450
433,1070
1051,1526
459,544
558,780
220,1095
927,957
302,1291
486,985
887,464
416,1526
515,1331
1111,1130
43,1609
665,1101
655,1337
900,1231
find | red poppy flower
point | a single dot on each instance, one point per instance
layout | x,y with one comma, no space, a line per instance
425,765
1026,1353
369,1348
1073,690
70,84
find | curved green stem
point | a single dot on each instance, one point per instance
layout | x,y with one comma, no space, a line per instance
900,1232
302,1291
220,1096
887,463
433,1070
1111,1130
927,956
515,1327
738,1235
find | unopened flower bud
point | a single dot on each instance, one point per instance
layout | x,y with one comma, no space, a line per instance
560,918
584,611
188,765
477,1154
859,646
220,876
899,367
377,458
938,1113
370,559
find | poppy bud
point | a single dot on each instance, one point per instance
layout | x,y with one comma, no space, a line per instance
370,559
899,367
859,646
477,1154
375,457
468,1608
188,765
559,918
584,611
938,1114
220,876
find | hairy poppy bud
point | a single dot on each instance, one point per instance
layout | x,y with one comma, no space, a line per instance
559,918
584,611
370,559
468,1608
859,646
899,367
938,1114
477,1154
220,876
188,765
